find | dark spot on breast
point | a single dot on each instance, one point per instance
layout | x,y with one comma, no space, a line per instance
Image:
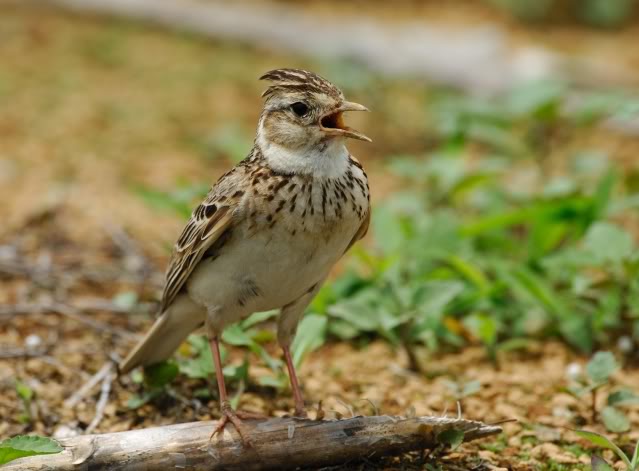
281,184
238,193
270,197
292,186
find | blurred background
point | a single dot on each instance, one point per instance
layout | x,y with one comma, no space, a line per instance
503,248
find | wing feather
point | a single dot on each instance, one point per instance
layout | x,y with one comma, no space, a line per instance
207,225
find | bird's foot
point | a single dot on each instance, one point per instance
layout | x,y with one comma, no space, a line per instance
300,413
235,418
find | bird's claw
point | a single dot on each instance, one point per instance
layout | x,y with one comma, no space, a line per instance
235,418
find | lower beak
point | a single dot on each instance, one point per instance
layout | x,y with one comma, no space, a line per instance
333,123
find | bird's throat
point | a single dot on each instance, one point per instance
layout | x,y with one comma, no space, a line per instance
326,159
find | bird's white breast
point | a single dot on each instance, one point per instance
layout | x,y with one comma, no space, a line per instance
283,246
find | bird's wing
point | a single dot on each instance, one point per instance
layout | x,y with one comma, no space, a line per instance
208,223
361,232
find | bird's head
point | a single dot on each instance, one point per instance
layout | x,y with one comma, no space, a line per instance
303,113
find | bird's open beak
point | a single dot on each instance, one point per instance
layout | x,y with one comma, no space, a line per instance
333,123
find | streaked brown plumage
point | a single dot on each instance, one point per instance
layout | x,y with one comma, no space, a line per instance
270,229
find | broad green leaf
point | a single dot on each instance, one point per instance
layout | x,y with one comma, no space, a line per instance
434,296
599,464
311,333
257,318
389,236
623,397
272,381
201,365
237,373
608,243
601,366
604,442
27,445
483,327
451,437
615,420
138,400
160,374
342,329
235,335
358,311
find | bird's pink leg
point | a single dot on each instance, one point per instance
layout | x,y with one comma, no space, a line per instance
300,410
228,414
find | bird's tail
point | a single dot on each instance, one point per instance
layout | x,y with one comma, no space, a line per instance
165,336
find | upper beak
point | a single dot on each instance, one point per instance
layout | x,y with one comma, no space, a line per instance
333,124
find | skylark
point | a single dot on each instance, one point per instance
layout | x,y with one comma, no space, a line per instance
270,229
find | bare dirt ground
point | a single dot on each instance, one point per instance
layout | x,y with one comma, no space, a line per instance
89,111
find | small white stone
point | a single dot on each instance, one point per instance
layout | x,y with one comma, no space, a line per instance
625,344
32,341
573,371
64,431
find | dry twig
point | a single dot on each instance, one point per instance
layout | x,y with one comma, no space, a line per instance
86,388
102,401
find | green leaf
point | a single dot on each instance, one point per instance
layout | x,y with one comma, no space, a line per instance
608,243
235,335
24,392
258,317
623,397
599,464
615,420
311,333
358,311
23,445
482,326
160,374
202,365
601,366
604,442
434,296
635,457
272,381
138,400
451,437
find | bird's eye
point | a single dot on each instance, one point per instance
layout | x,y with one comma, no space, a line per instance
299,108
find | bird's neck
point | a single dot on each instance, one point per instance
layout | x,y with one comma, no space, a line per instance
328,159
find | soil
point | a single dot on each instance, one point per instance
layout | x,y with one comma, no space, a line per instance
90,111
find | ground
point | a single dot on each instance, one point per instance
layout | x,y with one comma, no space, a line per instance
79,151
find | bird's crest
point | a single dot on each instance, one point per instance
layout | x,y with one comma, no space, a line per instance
298,80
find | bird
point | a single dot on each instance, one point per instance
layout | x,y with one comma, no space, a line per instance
269,231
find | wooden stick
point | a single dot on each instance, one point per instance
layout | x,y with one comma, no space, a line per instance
279,443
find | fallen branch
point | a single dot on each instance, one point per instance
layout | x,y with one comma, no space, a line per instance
280,443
